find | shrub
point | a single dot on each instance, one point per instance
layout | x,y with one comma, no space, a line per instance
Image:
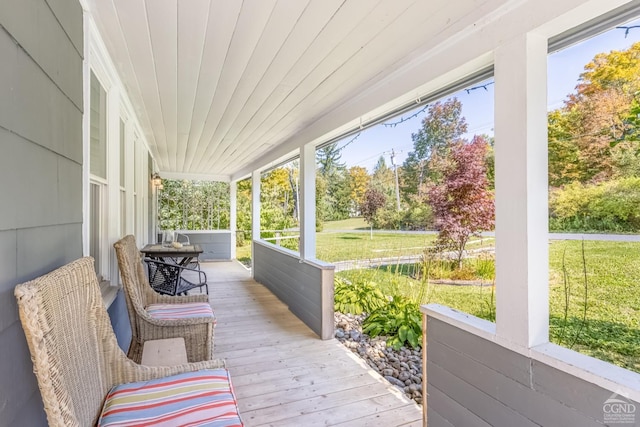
607,206
357,298
400,320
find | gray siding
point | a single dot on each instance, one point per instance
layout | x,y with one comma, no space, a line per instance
306,288
120,321
475,382
216,246
41,45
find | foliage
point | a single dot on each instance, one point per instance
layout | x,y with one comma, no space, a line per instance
462,204
608,206
585,134
357,298
400,320
373,200
194,205
328,160
442,126
358,184
612,329
333,189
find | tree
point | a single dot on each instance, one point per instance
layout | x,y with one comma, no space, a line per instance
358,182
374,199
335,201
328,159
442,126
462,203
586,134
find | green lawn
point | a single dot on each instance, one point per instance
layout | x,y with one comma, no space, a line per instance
612,328
333,247
346,224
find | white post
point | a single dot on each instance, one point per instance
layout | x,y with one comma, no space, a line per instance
308,202
522,261
233,215
255,205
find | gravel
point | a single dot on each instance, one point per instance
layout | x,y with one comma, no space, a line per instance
401,368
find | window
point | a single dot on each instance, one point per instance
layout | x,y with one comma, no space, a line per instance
123,191
385,189
279,205
98,178
594,187
98,133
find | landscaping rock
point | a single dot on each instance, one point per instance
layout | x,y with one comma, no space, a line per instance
401,368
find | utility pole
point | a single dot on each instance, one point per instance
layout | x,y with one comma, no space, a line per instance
395,170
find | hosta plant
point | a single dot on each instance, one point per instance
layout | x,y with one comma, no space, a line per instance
400,320
357,298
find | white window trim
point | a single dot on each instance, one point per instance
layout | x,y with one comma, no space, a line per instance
98,61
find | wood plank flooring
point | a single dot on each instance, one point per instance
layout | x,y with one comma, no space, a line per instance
283,374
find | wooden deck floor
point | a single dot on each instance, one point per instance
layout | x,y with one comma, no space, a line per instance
283,374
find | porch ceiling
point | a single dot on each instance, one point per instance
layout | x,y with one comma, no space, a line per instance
221,86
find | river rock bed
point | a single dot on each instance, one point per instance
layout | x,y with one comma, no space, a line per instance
402,368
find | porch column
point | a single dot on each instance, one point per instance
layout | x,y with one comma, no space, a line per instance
308,202
233,216
522,266
255,205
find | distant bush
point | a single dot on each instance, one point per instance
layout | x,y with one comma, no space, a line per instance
608,206
417,216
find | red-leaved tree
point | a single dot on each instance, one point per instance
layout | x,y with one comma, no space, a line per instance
462,202
373,200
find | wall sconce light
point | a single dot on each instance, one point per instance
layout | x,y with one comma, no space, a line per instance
156,181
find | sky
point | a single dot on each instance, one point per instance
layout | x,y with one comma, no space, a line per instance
564,68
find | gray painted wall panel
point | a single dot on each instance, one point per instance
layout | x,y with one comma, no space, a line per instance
8,279
216,246
436,420
43,114
43,249
16,371
299,285
522,399
496,358
460,370
9,170
40,173
289,280
571,391
69,13
69,191
467,395
120,321
34,416
455,414
38,31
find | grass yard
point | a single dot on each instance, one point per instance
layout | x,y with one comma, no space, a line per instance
612,328
332,247
611,331
346,224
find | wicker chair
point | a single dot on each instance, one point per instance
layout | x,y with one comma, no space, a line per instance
75,354
146,323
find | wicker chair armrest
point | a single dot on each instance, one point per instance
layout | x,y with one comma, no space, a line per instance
168,299
128,371
176,322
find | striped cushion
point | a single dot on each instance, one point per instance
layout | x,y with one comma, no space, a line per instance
202,398
180,311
